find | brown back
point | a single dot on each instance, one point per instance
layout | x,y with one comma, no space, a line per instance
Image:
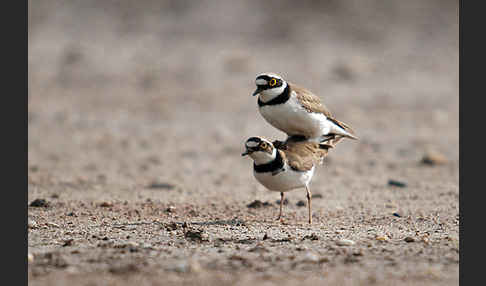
312,103
302,155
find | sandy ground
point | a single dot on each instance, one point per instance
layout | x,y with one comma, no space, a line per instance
137,118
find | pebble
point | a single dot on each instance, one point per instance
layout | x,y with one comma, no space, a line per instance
258,204
68,242
30,257
165,186
345,242
106,204
187,266
396,183
300,203
39,203
32,224
171,226
311,257
170,209
432,158
195,235
409,239
311,237
382,238
52,224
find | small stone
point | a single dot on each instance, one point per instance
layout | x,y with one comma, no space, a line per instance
52,224
171,226
311,257
300,203
195,235
106,204
397,214
433,158
382,238
311,237
396,183
171,209
345,242
162,186
324,260
258,204
316,196
32,224
68,242
40,203
409,239
187,267
30,257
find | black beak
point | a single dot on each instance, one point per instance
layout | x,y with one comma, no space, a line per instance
257,91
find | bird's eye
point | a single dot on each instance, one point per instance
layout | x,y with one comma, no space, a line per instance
272,82
263,145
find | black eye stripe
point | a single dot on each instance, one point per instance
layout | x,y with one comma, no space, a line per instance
278,83
253,139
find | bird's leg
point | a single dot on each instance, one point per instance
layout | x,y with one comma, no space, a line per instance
281,204
309,197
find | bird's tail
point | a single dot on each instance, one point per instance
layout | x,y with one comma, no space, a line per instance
342,129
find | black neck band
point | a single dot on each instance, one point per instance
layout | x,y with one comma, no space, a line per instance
274,165
281,98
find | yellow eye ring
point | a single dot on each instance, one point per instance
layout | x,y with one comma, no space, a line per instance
263,145
272,82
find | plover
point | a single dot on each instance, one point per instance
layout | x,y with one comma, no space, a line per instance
296,110
288,167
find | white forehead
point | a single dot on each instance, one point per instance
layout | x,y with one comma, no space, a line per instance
261,81
270,74
252,144
255,144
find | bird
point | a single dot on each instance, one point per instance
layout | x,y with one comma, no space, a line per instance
297,111
285,166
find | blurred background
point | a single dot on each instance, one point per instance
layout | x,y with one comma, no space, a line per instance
123,93
138,112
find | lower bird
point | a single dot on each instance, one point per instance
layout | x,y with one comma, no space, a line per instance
284,166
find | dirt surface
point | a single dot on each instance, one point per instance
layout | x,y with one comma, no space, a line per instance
138,115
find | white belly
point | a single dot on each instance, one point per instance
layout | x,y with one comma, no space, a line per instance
285,181
293,119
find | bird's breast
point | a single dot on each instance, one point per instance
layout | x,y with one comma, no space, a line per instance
284,181
291,118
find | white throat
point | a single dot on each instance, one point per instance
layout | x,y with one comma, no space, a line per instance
261,157
269,94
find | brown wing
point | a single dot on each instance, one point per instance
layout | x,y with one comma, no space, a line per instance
312,103
309,101
303,155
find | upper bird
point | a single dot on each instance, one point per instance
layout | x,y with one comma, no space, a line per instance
296,110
